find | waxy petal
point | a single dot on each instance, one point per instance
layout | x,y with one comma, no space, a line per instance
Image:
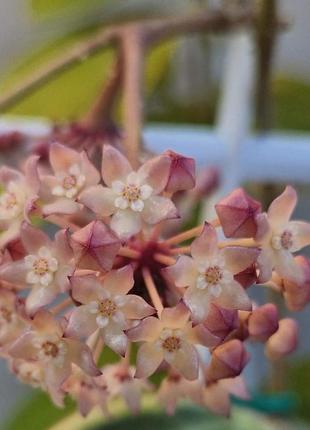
126,223
88,170
149,357
81,323
301,236
119,281
205,245
86,288
23,347
147,330
286,267
183,273
33,238
115,165
62,157
185,361
31,174
175,317
158,208
14,273
155,172
81,355
297,294
239,258
198,302
99,199
136,308
55,376
45,323
265,265
39,297
282,207
62,246
233,296
116,339
61,206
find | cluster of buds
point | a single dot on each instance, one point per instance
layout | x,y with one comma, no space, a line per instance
110,278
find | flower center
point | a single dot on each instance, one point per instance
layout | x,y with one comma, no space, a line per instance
107,308
69,182
286,239
213,275
171,343
50,349
41,266
6,315
9,201
131,193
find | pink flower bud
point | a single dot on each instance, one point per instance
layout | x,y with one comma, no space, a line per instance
182,172
297,294
95,246
283,341
228,360
221,322
237,214
263,322
247,277
207,181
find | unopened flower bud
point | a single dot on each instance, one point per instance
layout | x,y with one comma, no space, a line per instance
263,322
237,214
182,172
283,341
95,246
228,360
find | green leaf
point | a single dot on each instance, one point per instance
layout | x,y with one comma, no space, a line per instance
38,413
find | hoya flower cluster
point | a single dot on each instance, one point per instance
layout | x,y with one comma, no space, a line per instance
112,277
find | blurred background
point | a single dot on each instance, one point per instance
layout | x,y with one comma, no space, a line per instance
236,97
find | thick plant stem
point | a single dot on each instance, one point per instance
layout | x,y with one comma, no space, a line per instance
152,290
100,113
133,54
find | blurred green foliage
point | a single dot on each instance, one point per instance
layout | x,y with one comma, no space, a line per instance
46,8
298,381
38,413
70,94
291,104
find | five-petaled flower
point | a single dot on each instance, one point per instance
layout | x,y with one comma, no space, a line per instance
18,197
121,383
106,306
12,317
209,274
73,172
45,268
279,238
45,343
132,198
172,339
